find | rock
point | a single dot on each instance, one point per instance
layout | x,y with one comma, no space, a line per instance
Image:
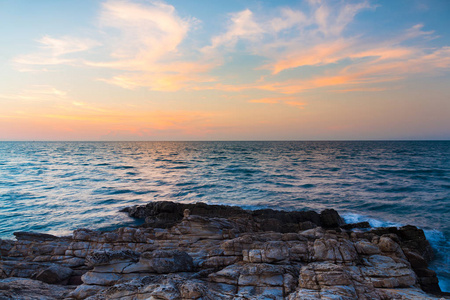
409,293
23,288
54,274
197,251
98,258
85,291
416,261
306,225
415,248
386,244
411,237
367,248
34,236
355,225
330,218
167,261
165,214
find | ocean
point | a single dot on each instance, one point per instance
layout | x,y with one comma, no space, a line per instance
56,187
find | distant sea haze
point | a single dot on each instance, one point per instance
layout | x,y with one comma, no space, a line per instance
56,187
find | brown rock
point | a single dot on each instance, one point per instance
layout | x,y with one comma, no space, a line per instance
54,274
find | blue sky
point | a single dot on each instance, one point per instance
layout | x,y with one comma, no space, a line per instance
228,70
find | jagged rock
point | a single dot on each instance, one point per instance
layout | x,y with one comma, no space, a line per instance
223,253
306,225
411,237
54,274
98,258
165,214
23,288
167,261
355,225
34,236
330,218
367,248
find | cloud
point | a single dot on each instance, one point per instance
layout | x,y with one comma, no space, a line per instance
146,44
288,18
37,92
141,42
242,27
380,66
147,47
321,54
144,33
333,19
350,62
287,27
292,101
54,51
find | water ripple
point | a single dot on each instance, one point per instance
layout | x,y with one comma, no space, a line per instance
56,187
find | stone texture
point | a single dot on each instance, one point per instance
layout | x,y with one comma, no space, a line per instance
23,288
54,274
218,252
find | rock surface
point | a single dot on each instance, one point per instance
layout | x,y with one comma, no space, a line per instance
188,251
23,288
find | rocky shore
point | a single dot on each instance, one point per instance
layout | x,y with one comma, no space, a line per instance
199,251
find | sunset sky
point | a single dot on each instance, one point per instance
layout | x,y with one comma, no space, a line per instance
224,70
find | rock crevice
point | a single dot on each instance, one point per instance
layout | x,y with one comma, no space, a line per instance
188,251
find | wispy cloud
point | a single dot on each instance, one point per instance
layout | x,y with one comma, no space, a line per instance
354,62
141,42
54,51
292,101
242,26
37,92
146,51
145,44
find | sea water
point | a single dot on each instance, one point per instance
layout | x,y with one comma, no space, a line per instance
56,187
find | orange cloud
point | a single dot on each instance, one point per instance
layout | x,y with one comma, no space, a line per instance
317,55
97,122
164,77
297,104
37,92
272,100
148,45
363,89
150,49
292,101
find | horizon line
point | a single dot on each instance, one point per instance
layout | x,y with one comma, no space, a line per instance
203,141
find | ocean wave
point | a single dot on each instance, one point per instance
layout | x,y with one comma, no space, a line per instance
122,191
83,184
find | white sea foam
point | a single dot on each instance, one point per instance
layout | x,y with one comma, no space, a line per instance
356,218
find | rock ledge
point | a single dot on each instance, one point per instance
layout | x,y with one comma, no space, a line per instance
199,251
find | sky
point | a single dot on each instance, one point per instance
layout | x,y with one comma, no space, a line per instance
142,70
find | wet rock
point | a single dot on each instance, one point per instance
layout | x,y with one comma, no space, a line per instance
306,225
330,218
165,214
355,225
34,236
414,238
